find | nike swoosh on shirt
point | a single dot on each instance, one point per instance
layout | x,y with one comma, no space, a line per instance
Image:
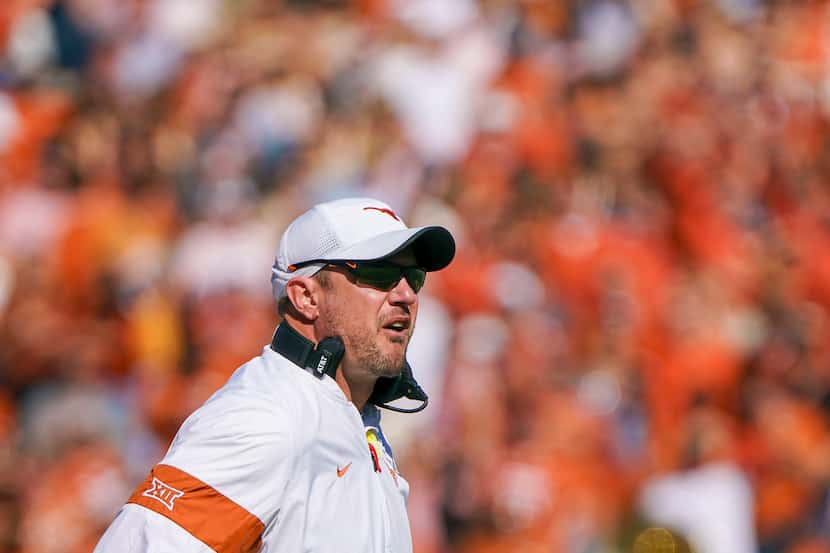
341,472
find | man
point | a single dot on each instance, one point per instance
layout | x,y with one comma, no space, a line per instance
288,455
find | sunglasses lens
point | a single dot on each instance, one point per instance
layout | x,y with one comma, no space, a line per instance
415,278
385,277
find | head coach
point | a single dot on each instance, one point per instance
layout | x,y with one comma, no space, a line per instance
289,456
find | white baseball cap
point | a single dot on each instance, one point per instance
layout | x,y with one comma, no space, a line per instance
354,229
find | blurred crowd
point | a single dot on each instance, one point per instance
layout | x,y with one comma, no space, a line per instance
635,331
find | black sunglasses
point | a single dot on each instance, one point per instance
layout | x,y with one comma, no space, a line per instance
378,274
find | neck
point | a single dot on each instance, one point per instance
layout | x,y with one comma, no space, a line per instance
357,389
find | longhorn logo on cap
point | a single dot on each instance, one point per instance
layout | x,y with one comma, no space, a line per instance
384,210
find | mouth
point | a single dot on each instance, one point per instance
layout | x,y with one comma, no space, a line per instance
397,327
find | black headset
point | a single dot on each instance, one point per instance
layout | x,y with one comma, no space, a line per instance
325,358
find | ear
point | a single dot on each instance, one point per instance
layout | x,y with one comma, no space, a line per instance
304,295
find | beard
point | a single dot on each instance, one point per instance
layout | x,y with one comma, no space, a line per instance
363,347
369,356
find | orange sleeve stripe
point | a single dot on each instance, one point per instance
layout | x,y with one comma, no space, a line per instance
209,516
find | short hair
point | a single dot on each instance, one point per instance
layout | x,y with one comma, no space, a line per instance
284,305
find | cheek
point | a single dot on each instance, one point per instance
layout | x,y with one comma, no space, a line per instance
330,321
356,314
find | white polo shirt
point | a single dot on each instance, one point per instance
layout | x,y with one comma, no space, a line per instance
275,461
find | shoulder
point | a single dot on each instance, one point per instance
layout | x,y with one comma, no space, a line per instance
235,454
257,407
266,391
256,420
234,458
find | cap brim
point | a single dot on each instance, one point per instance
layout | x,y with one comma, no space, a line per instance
434,247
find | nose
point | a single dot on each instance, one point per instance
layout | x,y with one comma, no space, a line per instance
402,293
